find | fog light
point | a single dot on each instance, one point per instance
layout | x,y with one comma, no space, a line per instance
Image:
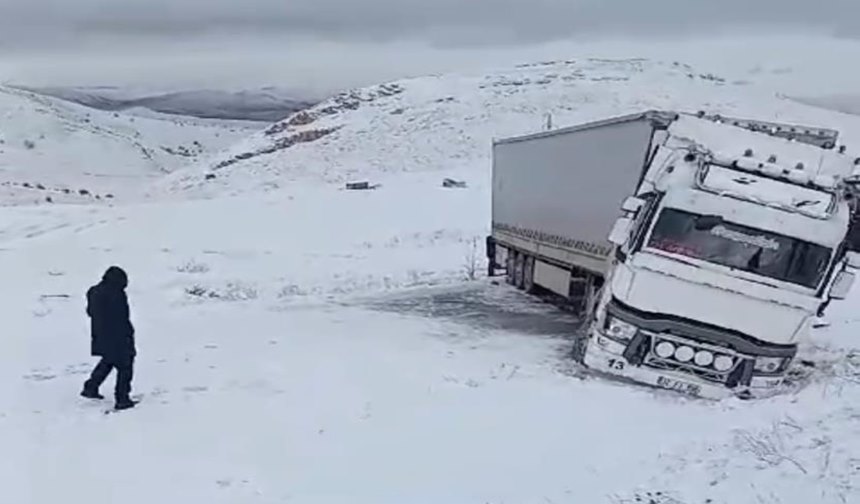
723,363
684,354
704,358
768,364
664,349
620,330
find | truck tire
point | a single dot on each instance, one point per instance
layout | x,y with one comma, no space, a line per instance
510,267
519,270
529,274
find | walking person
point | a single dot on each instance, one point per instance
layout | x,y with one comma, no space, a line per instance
112,337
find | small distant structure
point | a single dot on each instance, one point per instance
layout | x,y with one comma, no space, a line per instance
451,183
363,185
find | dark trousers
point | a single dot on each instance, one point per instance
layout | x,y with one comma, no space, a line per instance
124,372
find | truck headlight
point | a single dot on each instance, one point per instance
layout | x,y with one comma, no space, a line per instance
620,330
768,364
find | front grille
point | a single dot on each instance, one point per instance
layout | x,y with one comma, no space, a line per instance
705,361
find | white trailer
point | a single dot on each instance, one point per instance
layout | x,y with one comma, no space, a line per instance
697,249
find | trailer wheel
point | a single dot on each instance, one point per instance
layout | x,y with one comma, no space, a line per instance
529,274
509,267
519,270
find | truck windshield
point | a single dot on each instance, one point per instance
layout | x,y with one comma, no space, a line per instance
710,238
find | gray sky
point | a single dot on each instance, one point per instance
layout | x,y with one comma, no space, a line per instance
24,22
319,46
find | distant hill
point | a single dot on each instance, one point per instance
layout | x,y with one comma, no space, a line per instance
263,105
52,150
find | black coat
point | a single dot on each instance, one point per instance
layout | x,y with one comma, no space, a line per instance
107,306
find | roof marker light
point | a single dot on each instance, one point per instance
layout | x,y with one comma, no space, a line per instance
799,177
773,171
825,181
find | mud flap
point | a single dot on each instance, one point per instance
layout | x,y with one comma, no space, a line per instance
491,256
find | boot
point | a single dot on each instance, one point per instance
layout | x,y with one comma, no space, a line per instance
91,394
124,404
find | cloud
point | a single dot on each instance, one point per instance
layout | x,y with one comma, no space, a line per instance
319,46
440,21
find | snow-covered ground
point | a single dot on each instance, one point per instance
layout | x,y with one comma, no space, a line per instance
274,369
305,343
54,149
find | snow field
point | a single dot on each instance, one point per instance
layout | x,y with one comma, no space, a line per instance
299,344
265,399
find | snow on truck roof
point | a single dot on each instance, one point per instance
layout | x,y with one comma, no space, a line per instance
731,143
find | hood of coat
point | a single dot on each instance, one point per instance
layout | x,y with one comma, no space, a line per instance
115,277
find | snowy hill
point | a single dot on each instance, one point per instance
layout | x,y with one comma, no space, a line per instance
53,149
445,123
265,105
312,345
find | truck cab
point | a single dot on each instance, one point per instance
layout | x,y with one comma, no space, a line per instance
729,250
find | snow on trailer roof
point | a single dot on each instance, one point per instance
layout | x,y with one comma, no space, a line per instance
660,118
773,145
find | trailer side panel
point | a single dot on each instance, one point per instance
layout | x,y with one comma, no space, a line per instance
563,190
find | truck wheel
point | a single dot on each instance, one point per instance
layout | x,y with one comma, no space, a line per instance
529,274
509,267
519,271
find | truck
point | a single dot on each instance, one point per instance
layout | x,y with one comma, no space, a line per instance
697,250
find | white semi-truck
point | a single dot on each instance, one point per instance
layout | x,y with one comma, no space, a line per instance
698,250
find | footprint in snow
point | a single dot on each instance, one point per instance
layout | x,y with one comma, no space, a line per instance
40,376
158,392
78,369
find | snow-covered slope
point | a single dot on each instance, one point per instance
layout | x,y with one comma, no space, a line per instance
446,123
54,149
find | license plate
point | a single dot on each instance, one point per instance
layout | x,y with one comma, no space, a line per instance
680,386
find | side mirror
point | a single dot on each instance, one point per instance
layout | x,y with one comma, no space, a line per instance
842,285
632,204
853,259
620,231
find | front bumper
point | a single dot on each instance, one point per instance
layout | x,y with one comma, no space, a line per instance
608,356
